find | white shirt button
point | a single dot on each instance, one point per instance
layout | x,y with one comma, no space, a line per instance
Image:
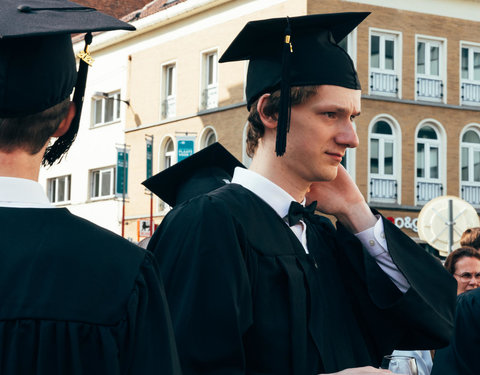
371,242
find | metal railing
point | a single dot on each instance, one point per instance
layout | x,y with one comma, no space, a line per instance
428,190
429,88
471,194
169,107
384,83
210,97
383,189
470,93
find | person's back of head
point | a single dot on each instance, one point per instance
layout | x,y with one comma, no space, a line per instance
471,237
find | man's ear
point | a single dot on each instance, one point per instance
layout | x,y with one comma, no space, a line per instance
268,120
65,124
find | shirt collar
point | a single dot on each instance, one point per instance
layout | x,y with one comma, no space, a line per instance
21,192
272,194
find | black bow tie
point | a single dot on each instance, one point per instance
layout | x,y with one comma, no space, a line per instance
296,212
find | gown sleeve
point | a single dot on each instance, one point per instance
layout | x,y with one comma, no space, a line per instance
424,314
199,250
149,341
461,356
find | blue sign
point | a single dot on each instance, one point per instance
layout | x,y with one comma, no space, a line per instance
122,172
149,157
185,149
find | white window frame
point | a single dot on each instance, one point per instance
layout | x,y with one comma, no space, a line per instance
350,154
209,91
168,99
469,87
115,97
53,189
352,45
427,78
205,137
380,74
473,185
167,159
437,185
102,172
396,138
246,160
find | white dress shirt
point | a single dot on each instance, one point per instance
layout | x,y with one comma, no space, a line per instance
22,193
373,239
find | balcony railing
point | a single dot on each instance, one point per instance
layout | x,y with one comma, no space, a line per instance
384,83
470,93
429,88
428,190
383,189
210,97
471,194
169,109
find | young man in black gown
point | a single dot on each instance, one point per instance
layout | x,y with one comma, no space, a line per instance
259,285
75,298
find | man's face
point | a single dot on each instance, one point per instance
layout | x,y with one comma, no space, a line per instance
320,132
466,270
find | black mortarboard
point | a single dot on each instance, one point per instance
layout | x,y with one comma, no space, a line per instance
296,51
200,173
37,64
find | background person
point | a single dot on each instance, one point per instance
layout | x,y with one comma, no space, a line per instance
471,237
75,298
464,264
256,284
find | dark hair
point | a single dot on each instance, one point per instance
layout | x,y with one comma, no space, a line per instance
456,255
471,237
256,129
31,132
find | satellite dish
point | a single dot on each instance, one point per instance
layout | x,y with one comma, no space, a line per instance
434,222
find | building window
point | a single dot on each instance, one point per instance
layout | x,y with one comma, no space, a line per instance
59,189
102,183
209,80
349,45
246,160
384,64
167,158
383,180
169,91
428,173
106,110
209,137
470,75
430,67
470,166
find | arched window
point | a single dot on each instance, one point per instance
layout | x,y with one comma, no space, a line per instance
470,166
383,175
208,137
428,164
167,159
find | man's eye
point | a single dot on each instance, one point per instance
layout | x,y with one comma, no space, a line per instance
329,114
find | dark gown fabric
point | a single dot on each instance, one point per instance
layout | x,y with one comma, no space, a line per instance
461,357
245,298
77,299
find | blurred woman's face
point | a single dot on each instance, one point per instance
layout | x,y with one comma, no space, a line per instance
467,274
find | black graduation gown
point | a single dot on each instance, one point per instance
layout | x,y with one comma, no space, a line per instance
245,298
461,357
77,299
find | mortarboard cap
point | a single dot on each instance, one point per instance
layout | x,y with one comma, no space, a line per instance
37,63
296,51
200,173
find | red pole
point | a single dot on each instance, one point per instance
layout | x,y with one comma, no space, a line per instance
151,214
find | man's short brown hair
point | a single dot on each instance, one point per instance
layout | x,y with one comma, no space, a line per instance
256,129
471,237
31,132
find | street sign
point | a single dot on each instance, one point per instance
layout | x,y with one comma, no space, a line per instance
122,172
185,147
149,141
144,228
